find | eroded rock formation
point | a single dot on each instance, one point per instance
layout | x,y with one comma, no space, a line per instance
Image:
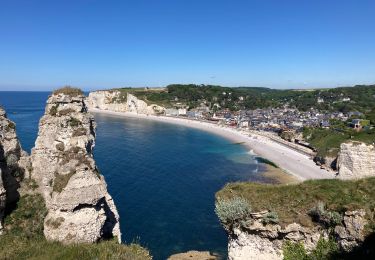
356,160
114,100
79,206
10,170
256,240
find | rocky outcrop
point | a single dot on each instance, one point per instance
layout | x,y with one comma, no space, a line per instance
79,206
118,101
11,171
356,160
256,240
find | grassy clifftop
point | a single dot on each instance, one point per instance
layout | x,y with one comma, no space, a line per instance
24,239
293,203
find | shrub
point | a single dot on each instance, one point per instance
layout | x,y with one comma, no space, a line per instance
232,210
325,249
60,146
53,110
328,218
294,251
74,122
10,126
12,160
68,90
270,218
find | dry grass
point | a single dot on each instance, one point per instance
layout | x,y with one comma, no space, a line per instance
68,90
61,180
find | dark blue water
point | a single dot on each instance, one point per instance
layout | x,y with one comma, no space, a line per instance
162,177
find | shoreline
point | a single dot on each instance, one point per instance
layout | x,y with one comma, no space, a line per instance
287,159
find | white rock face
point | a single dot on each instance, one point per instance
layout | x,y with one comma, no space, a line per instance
79,206
258,241
10,171
114,100
356,160
245,246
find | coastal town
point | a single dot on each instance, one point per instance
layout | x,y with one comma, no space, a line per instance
280,124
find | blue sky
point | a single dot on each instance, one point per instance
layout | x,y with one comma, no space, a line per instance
101,44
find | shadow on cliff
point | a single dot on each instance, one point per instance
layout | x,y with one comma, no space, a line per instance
365,251
11,175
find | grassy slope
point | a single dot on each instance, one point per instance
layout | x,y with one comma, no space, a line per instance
23,238
293,202
327,141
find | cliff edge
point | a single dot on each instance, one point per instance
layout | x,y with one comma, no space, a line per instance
320,219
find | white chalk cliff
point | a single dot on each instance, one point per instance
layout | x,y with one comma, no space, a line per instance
79,207
114,100
356,160
259,241
11,172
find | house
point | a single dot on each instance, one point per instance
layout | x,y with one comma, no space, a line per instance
325,124
358,124
243,123
182,111
171,112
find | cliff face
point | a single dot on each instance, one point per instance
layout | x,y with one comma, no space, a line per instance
79,206
256,240
11,157
116,101
356,160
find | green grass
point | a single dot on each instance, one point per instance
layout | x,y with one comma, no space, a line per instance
327,141
61,180
23,239
292,203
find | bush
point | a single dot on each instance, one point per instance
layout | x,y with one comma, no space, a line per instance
74,122
12,160
53,110
10,126
68,90
60,146
270,218
325,249
328,218
294,251
232,210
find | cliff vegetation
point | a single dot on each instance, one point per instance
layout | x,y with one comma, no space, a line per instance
361,97
294,203
23,238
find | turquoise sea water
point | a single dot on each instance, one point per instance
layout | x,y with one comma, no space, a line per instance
162,177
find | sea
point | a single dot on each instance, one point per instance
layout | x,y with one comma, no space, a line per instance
162,177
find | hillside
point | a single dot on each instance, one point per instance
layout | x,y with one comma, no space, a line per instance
358,98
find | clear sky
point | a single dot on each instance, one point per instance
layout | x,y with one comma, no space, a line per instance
101,44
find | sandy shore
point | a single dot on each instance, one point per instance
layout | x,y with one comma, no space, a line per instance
291,161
